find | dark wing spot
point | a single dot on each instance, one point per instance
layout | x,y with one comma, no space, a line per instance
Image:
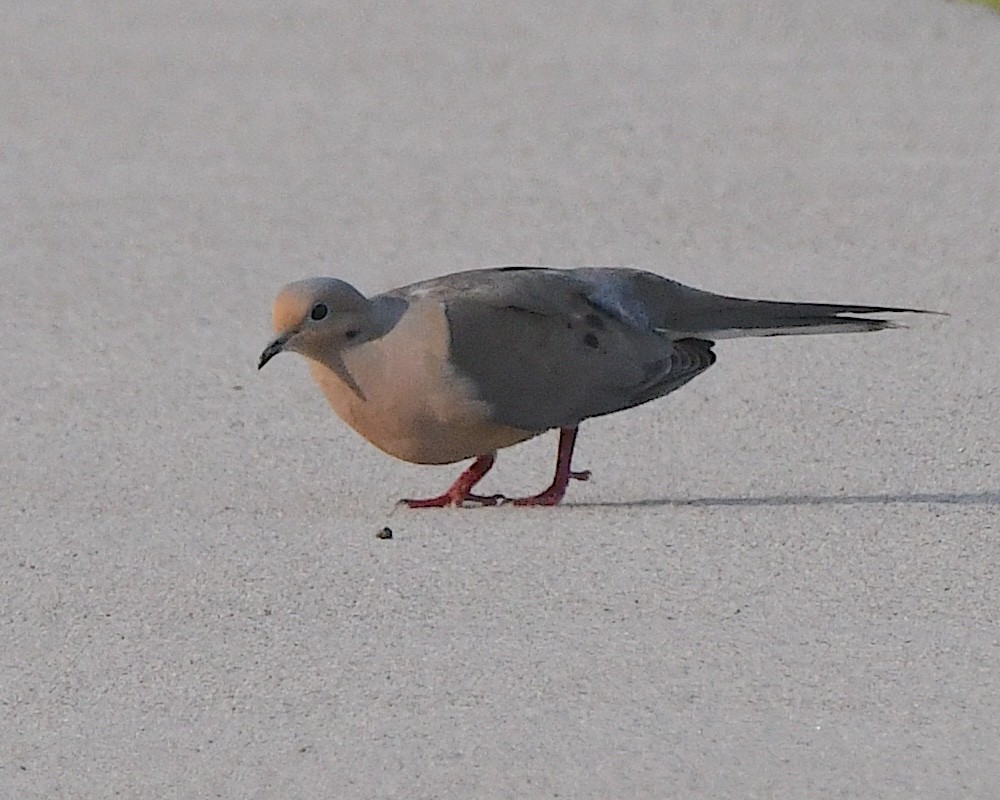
591,341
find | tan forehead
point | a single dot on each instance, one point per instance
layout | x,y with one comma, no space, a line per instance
290,308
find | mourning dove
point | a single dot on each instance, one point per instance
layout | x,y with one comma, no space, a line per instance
463,365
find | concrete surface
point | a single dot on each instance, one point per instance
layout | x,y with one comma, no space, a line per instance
781,582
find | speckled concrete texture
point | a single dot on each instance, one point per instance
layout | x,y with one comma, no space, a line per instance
780,582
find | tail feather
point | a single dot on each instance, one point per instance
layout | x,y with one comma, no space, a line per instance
764,318
680,311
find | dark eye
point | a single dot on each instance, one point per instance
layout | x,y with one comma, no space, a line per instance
319,311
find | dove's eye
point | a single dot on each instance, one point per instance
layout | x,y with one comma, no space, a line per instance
319,311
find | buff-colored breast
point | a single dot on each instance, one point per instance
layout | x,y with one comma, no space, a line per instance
415,406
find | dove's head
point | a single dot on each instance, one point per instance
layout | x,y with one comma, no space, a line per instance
318,318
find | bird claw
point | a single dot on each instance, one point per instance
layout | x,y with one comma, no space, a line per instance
481,501
448,500
546,498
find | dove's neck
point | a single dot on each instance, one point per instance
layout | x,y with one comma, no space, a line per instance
383,314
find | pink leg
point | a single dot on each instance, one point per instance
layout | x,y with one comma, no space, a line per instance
461,490
554,494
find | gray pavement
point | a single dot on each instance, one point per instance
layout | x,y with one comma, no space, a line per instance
781,581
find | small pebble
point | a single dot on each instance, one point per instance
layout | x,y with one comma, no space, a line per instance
385,533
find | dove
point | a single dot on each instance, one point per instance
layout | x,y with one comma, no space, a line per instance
461,366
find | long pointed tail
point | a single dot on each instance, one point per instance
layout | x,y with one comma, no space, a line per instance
681,311
736,317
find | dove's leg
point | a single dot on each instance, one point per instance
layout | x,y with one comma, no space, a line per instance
555,492
460,492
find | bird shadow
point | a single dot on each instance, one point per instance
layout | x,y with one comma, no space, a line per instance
888,498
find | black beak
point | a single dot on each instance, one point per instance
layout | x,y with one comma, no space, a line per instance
273,349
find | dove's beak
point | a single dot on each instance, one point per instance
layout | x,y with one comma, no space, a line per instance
273,349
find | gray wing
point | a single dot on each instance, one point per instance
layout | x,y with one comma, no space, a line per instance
650,301
542,352
549,347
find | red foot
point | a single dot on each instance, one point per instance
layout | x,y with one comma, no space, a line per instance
448,499
554,494
460,492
